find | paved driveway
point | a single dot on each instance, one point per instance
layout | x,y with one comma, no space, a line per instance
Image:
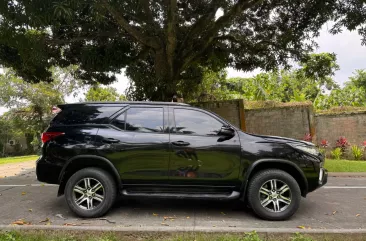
341,205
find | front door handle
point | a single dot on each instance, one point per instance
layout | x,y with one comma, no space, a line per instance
180,143
110,140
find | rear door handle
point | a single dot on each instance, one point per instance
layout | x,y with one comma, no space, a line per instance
110,140
180,143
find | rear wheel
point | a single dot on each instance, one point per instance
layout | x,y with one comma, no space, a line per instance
274,194
90,192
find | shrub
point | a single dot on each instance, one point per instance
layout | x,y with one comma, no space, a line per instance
337,153
342,143
308,137
356,152
324,143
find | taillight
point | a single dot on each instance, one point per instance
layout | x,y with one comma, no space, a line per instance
47,136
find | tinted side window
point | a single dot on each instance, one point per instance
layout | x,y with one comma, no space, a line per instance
195,122
82,114
141,119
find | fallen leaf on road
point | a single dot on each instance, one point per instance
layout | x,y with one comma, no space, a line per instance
334,212
109,221
45,221
232,226
21,222
30,210
164,224
48,223
60,216
188,217
223,213
213,225
70,224
155,214
171,218
301,227
23,193
42,185
357,215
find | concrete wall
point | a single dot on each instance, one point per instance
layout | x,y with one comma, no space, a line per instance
350,125
231,110
288,121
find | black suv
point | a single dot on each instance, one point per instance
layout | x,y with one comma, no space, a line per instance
96,151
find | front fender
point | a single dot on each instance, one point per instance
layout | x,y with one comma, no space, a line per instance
274,163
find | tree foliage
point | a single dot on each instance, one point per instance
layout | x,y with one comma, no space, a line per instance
352,94
305,83
99,93
163,43
30,104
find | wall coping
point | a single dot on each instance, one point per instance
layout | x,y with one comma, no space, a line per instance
215,102
345,113
277,105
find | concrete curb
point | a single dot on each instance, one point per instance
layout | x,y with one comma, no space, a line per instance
347,174
184,229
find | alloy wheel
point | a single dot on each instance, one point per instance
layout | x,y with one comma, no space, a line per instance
275,195
88,193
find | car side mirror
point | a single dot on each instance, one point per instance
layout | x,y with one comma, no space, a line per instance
227,131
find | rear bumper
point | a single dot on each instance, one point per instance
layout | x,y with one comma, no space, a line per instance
47,172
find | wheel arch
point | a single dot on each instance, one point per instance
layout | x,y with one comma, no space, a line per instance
83,161
281,164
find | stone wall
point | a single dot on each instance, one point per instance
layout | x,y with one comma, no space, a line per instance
287,121
350,125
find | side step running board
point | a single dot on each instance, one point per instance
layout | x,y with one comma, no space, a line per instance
233,195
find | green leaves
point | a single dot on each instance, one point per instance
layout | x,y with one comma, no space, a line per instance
165,48
98,93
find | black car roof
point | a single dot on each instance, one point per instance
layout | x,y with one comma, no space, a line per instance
126,103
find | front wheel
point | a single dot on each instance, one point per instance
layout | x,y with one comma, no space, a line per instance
274,194
90,192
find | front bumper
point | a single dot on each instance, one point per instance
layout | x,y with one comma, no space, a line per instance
323,177
47,172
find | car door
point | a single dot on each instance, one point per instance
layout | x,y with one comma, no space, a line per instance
138,145
199,154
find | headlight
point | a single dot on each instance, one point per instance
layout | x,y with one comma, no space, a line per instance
309,149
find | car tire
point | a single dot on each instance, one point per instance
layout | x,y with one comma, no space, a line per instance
274,206
80,186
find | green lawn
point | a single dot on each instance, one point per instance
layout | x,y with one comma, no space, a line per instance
170,236
7,160
345,166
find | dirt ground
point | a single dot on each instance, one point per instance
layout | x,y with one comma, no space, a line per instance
13,169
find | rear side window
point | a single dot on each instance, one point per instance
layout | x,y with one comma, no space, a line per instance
141,119
84,114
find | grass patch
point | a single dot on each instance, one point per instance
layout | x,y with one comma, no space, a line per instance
345,166
15,159
170,236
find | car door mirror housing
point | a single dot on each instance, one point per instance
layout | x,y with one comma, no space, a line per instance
227,131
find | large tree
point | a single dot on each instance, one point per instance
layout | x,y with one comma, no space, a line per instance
162,43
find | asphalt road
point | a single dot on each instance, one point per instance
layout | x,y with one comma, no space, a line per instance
340,205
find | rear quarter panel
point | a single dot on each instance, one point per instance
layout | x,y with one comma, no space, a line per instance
77,140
